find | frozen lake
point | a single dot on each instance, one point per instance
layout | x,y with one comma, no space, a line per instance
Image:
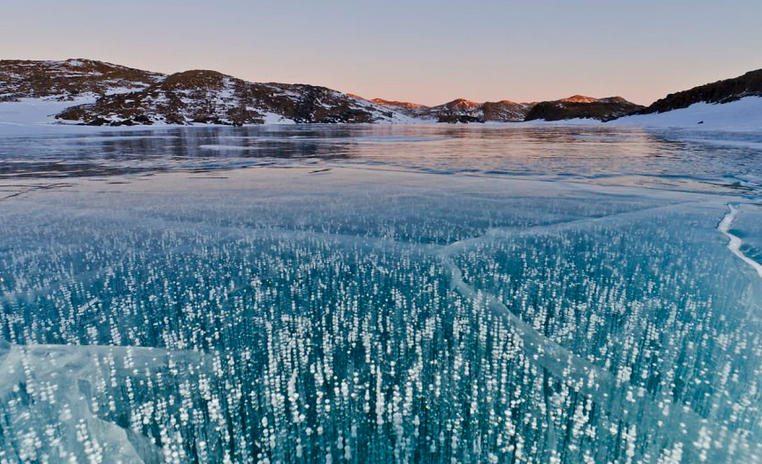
381,294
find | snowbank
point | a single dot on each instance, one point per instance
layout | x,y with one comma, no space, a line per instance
31,116
741,115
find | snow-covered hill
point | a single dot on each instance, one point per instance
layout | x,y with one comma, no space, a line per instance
88,92
724,91
465,111
211,97
69,80
730,104
461,110
96,93
740,115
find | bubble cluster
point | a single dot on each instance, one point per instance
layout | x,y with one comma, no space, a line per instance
376,328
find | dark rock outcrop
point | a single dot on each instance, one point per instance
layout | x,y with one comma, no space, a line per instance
505,111
578,106
724,91
453,118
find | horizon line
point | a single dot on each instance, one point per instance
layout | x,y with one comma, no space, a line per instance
357,95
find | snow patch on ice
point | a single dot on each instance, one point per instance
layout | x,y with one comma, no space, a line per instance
274,118
35,111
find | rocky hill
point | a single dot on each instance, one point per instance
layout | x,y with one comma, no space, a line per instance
118,95
506,111
211,97
462,111
406,106
725,91
459,110
99,93
579,106
465,111
70,79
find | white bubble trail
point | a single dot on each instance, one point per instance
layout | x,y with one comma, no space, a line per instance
595,382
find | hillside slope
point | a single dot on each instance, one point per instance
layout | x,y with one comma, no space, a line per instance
69,79
89,92
462,110
739,115
210,97
582,107
724,91
107,94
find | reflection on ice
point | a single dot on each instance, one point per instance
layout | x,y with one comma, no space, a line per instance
662,158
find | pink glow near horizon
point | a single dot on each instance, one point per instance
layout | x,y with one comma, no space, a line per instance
425,52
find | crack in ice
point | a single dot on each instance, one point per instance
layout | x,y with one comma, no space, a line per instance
622,401
735,242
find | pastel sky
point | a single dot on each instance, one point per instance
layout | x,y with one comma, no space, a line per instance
426,51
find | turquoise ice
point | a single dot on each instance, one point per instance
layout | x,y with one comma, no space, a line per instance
374,294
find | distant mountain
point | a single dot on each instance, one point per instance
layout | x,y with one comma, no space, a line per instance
580,106
506,111
99,93
413,110
396,104
118,95
725,91
462,110
465,111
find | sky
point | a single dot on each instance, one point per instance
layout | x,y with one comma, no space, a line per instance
423,51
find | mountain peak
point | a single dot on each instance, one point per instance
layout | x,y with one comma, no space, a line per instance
462,103
106,93
579,99
395,103
195,78
582,107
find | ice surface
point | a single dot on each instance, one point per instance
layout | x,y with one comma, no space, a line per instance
736,242
381,302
